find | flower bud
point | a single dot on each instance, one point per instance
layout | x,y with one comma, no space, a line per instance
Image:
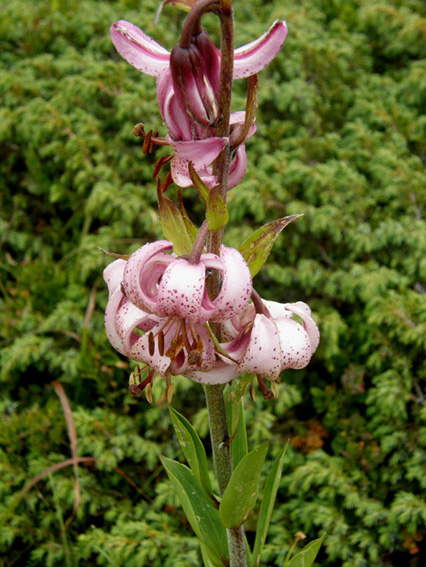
195,73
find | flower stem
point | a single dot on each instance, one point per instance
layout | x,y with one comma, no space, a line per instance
219,432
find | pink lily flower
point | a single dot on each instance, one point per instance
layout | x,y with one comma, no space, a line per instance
189,139
170,345
267,345
165,286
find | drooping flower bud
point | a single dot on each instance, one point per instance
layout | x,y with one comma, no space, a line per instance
195,72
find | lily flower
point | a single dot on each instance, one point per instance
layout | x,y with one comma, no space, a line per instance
163,285
189,138
272,341
170,345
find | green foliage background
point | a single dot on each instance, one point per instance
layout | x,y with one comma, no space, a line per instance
341,138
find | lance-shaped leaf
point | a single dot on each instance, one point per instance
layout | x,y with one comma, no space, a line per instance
198,183
202,516
190,226
193,449
308,555
240,495
217,212
266,509
173,224
256,249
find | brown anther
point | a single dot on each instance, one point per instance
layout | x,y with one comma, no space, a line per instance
175,347
146,147
135,390
151,344
123,291
195,358
160,343
139,130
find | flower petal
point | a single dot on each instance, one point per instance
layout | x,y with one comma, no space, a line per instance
255,56
178,123
238,167
139,49
304,312
263,354
202,153
114,303
236,287
181,290
295,344
221,373
139,280
113,275
128,318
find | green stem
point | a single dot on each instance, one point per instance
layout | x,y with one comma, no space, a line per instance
219,432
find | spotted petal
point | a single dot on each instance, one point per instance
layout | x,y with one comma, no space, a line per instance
263,354
151,261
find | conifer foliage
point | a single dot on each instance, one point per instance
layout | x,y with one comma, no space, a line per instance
342,139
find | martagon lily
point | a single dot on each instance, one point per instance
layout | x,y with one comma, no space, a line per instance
190,140
158,307
264,339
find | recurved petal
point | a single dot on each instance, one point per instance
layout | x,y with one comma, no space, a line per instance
304,312
140,280
139,49
221,373
295,344
238,167
235,290
263,354
255,56
115,301
181,290
201,152
113,275
178,123
129,319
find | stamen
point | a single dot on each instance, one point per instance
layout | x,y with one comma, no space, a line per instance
160,342
267,393
159,164
151,344
136,387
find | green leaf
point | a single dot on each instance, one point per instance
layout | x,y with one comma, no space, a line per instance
173,225
190,226
201,188
267,507
193,449
256,249
202,516
307,556
240,495
217,212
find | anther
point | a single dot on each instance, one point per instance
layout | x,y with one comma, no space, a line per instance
151,343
